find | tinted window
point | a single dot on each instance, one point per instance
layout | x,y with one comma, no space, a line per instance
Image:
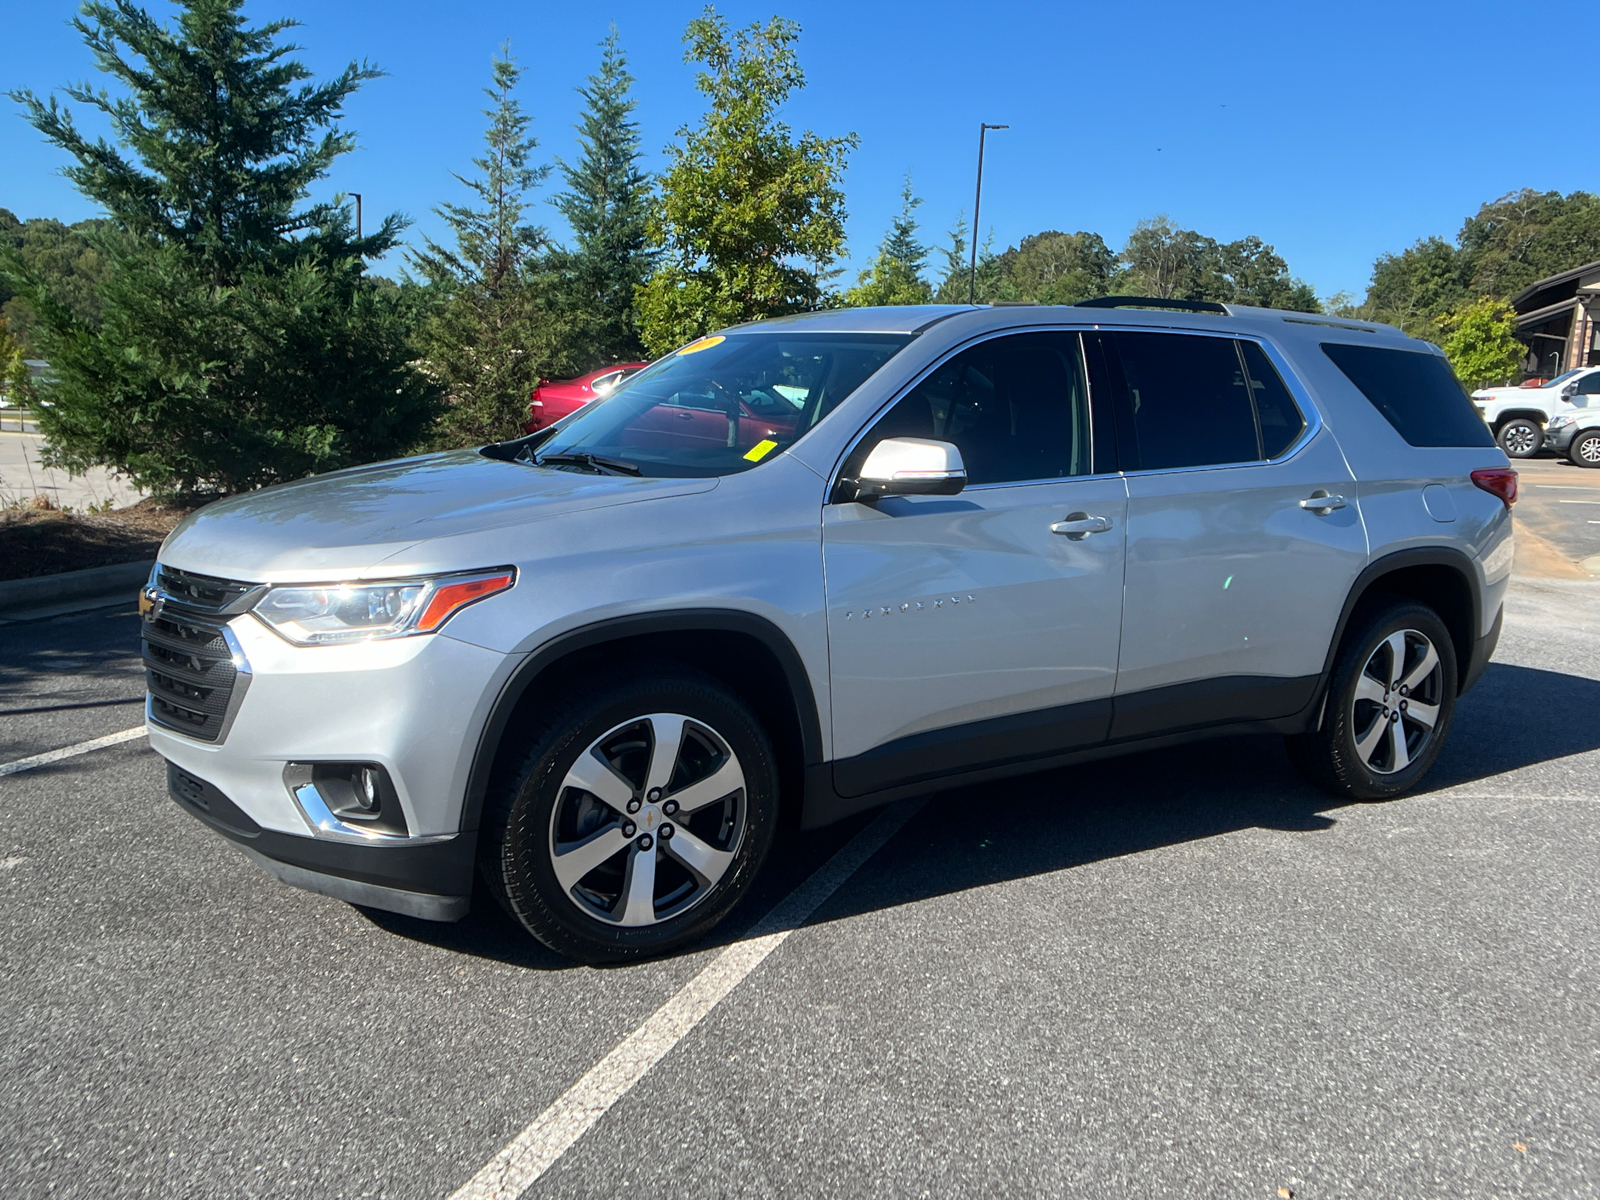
1188,404
1416,392
1014,406
1281,420
1589,385
722,404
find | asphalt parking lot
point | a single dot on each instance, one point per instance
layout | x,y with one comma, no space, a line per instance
1180,974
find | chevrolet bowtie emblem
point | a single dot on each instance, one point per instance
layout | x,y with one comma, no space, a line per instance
650,820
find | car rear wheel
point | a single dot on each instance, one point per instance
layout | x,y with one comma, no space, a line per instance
637,817
1585,449
1388,708
1520,438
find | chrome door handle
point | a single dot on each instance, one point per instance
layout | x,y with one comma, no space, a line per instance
1322,503
1079,525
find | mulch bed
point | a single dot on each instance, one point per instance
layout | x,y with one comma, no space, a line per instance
46,541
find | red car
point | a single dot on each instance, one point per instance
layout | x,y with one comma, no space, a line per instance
551,401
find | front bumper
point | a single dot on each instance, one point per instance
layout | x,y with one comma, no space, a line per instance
412,706
1559,440
431,879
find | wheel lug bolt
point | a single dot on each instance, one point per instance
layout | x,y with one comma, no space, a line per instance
666,832
646,842
629,829
655,794
670,807
1402,706
633,806
1394,716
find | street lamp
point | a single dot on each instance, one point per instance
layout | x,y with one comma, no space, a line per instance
357,196
972,274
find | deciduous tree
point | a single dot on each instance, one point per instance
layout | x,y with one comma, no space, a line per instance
749,215
1481,343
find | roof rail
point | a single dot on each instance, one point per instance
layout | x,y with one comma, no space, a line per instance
1205,306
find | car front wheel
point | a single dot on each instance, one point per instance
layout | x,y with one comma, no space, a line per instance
1585,449
1388,708
637,817
1520,438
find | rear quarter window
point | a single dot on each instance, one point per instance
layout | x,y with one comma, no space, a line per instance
1415,391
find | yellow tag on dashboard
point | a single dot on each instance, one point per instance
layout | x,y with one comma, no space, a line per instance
760,450
704,343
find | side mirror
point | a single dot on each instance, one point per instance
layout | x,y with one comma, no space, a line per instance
911,467
1570,390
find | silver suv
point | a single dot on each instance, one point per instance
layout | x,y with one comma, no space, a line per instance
808,566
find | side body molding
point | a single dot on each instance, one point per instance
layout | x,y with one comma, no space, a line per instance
689,620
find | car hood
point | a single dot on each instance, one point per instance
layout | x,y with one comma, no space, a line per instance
349,522
1512,393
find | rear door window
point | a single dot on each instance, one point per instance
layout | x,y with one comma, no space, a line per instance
1184,401
1416,392
1281,419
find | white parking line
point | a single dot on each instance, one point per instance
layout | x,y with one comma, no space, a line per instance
533,1151
40,760
1578,501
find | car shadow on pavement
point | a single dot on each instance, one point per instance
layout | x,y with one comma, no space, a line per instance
1055,820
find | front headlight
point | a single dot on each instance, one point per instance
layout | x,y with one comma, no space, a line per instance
332,613
1560,422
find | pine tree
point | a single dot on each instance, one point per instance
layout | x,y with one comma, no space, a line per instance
607,203
901,245
492,330
992,283
895,276
239,340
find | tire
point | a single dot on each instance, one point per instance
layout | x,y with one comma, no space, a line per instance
626,870
1585,449
1520,437
1351,755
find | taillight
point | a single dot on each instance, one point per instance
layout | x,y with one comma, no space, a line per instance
1497,481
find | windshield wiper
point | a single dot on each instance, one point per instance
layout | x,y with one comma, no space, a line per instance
610,466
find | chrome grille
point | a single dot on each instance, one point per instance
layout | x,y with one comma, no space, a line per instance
205,593
188,663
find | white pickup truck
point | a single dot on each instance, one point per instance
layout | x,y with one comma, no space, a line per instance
1518,415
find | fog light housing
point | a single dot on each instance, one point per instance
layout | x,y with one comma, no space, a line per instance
347,799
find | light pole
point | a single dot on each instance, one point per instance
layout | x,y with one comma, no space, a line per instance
977,200
357,195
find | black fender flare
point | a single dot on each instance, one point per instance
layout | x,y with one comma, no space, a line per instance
1422,556
615,629
1521,414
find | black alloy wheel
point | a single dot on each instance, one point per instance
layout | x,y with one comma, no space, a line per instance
1520,437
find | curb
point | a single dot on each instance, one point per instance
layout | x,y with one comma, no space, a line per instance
20,594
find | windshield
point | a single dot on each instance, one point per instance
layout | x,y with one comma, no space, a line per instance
1560,379
720,405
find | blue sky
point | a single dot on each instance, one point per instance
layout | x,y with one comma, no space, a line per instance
1333,131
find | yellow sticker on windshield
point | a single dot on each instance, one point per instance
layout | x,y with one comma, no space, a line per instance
760,450
704,343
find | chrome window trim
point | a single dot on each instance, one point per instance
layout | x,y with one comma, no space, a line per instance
1291,381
